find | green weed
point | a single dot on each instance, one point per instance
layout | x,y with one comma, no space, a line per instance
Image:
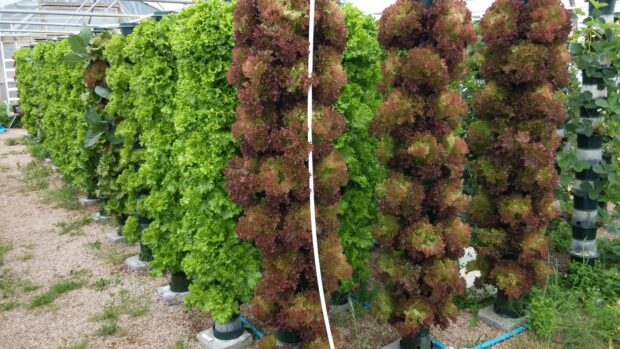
74,226
83,344
35,176
37,150
57,290
125,304
4,248
12,141
64,197
8,306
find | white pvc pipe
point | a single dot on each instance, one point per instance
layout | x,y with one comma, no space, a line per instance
315,239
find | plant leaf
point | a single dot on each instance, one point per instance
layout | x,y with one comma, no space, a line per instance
102,92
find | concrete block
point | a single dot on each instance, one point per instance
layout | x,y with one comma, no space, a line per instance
135,264
393,345
502,323
88,202
208,341
114,237
97,217
170,297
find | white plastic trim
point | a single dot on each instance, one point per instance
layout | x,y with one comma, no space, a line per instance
315,240
590,155
596,93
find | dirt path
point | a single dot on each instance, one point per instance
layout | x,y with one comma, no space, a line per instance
51,250
62,285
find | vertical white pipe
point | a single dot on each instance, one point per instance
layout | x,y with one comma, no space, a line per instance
315,240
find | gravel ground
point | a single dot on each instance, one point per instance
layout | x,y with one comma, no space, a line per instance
41,256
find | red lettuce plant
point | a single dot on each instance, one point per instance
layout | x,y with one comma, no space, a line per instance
420,234
270,179
524,63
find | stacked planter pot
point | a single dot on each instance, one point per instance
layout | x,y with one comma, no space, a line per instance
419,231
585,218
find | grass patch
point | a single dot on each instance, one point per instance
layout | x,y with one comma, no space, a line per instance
57,290
8,306
101,284
26,256
125,304
4,248
36,149
64,197
74,226
4,168
10,285
113,255
181,344
83,344
35,176
12,141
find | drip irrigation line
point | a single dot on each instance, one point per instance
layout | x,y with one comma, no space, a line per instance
501,338
256,331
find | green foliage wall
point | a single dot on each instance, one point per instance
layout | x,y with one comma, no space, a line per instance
173,109
223,269
53,105
358,102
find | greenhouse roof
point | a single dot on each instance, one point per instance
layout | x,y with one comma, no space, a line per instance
41,18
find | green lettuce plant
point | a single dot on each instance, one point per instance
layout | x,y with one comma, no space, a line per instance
223,269
358,101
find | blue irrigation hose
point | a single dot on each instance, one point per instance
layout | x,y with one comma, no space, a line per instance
256,331
501,338
613,227
2,129
366,305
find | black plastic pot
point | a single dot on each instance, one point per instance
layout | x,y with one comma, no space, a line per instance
584,203
425,2
136,146
508,308
287,337
587,80
589,113
146,255
586,175
97,30
584,233
607,10
122,219
179,282
158,15
144,220
339,298
230,330
127,27
595,141
422,340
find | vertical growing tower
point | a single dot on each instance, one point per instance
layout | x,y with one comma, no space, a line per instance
419,231
524,63
270,179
